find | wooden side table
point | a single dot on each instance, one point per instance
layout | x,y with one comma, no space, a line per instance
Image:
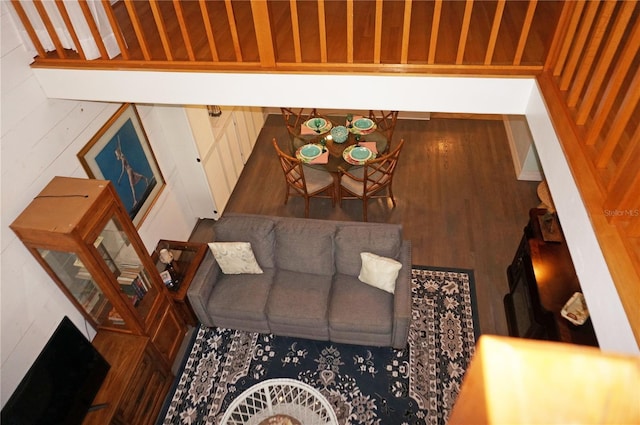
188,256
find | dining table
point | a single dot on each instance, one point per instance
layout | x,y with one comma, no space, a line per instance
334,155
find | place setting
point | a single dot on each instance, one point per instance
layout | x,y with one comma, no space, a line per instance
313,153
361,125
359,153
315,126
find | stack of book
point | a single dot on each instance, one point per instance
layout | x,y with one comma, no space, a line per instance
134,282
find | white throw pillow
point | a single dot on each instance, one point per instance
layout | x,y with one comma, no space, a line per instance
235,257
378,271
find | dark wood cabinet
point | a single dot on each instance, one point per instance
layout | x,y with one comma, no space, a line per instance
542,279
136,385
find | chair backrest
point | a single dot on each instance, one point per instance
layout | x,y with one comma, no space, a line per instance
386,121
294,117
378,173
292,168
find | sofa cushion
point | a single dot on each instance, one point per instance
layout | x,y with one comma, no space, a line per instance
351,240
241,296
299,299
379,272
358,307
257,230
305,246
235,257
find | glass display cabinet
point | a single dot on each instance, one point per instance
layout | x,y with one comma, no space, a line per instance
79,231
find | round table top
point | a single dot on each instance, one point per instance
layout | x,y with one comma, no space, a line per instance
335,149
280,398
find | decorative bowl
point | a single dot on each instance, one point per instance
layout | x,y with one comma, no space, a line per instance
339,134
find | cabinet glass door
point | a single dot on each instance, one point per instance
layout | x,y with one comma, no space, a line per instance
133,279
79,282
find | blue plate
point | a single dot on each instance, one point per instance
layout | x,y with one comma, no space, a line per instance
310,151
360,153
363,124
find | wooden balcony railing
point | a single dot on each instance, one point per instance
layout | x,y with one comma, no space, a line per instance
470,36
583,53
591,84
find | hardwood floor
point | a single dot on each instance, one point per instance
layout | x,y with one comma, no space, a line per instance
456,192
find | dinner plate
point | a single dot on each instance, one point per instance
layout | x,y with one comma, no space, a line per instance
310,151
360,153
363,124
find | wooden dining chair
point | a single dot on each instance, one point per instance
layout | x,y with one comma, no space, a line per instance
386,122
294,117
373,180
305,181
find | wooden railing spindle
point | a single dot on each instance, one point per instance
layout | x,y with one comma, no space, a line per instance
604,62
162,30
322,28
435,26
183,30
67,21
95,32
464,33
377,44
208,30
50,28
578,44
620,121
29,28
260,13
295,29
601,116
406,31
137,28
234,29
569,35
495,28
524,33
349,18
115,28
589,55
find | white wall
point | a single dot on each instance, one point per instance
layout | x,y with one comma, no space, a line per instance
39,139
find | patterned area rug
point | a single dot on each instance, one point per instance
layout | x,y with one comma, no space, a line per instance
365,385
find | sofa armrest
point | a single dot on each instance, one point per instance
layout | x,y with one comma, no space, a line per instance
201,287
402,299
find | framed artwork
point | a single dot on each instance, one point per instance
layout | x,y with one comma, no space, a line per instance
120,152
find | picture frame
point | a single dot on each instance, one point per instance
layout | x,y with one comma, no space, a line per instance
120,152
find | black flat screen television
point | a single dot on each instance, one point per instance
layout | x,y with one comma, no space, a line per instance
60,386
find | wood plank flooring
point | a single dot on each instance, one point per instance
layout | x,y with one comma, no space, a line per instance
456,192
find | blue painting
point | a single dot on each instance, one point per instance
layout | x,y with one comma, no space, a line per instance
123,161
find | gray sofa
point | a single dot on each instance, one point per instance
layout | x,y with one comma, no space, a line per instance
310,286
